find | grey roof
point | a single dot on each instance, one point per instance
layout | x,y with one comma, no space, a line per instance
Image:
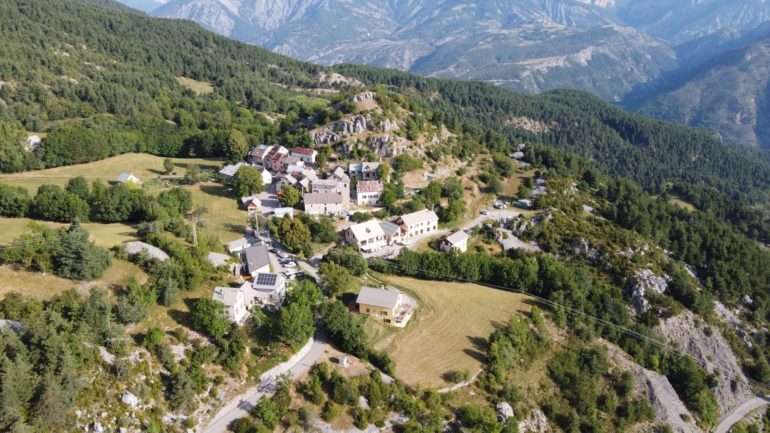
230,170
256,257
125,177
390,228
136,247
322,198
217,259
378,297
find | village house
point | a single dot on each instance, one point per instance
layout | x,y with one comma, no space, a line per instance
285,180
367,236
306,154
228,172
241,244
134,248
129,178
368,192
387,306
256,260
392,232
265,290
292,163
457,240
340,175
363,170
273,160
257,154
324,203
267,177
332,185
234,301
418,223
252,203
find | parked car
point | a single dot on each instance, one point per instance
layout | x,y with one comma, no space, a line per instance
485,212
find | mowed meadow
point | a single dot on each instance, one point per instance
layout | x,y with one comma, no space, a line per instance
449,329
222,218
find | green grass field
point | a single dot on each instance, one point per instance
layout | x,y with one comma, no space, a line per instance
146,167
449,329
104,235
223,218
46,286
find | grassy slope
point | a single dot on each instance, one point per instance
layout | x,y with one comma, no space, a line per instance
448,330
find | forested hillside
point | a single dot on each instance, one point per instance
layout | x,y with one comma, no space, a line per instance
112,86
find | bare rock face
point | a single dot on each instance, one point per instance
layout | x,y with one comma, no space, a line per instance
646,281
658,391
713,353
536,422
504,410
363,97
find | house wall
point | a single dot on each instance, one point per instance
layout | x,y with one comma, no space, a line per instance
421,228
368,198
334,209
378,313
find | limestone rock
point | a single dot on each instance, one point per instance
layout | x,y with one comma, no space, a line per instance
504,411
130,399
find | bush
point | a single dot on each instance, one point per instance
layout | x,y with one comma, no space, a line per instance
330,411
456,376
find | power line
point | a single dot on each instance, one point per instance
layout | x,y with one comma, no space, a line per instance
630,332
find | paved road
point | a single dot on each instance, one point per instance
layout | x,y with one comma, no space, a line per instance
240,406
493,214
740,412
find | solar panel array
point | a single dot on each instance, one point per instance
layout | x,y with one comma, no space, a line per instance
266,279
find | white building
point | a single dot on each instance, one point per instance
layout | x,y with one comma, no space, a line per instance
306,154
368,192
418,223
234,301
363,170
129,178
33,143
367,236
281,212
239,245
265,290
457,240
325,203
332,184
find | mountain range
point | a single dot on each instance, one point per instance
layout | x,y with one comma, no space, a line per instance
634,53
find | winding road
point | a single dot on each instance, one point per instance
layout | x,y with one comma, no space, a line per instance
297,366
740,412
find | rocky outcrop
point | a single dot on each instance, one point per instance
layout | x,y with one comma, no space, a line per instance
536,422
645,281
363,97
710,349
658,391
339,130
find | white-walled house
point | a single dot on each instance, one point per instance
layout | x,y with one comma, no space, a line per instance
367,236
256,260
265,290
324,203
418,223
305,154
234,301
457,240
126,177
368,192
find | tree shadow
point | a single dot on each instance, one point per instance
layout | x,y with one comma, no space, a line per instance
475,354
237,228
217,190
478,343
